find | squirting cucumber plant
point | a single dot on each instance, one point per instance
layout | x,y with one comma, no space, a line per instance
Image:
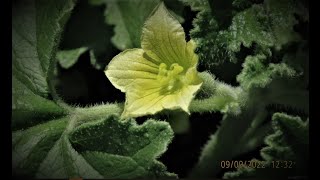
123,89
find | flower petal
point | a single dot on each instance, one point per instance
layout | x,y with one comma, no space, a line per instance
148,97
130,66
163,39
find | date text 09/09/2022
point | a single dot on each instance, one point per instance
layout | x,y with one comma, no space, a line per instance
257,164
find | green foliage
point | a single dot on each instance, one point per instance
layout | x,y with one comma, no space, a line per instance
29,108
272,79
228,142
289,142
265,42
30,147
262,87
196,5
257,73
34,39
43,126
68,58
126,150
268,25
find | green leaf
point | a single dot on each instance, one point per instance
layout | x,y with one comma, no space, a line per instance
269,25
63,161
211,48
123,149
29,108
67,58
44,151
99,147
282,15
257,73
289,142
30,147
128,20
114,166
34,40
196,5
246,29
94,61
161,75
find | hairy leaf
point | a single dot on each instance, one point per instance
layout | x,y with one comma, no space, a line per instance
31,146
125,149
286,153
34,38
44,151
267,25
257,73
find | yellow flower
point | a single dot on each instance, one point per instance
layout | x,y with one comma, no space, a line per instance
161,75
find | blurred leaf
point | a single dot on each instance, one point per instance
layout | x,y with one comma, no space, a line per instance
86,28
289,142
128,17
224,144
68,58
196,5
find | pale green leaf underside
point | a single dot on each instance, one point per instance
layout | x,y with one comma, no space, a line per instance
67,58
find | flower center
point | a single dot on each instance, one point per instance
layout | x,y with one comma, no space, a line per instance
170,78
